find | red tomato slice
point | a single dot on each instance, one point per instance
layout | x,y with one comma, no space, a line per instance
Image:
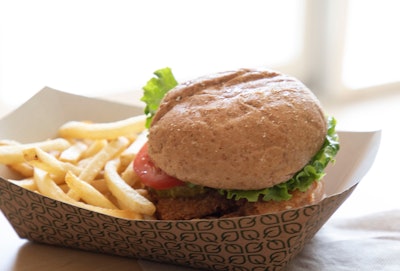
150,175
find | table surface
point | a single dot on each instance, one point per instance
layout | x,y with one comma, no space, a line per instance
370,217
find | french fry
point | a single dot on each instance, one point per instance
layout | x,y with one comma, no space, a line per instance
89,173
73,194
126,195
88,193
126,214
38,158
74,152
130,153
130,177
108,130
88,166
50,189
23,169
28,183
94,147
12,154
64,187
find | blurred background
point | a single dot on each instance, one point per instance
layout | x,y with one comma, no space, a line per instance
340,49
347,52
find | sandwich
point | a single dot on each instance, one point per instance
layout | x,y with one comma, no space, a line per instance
235,143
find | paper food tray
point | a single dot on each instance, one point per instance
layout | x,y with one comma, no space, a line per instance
262,242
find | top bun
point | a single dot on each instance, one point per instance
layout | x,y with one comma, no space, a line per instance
244,129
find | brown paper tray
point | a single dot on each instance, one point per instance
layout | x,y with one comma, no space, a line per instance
262,242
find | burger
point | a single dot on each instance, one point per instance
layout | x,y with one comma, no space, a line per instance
235,143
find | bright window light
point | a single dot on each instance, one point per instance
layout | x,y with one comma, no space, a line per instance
100,47
372,47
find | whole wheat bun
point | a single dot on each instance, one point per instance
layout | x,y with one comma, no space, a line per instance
243,129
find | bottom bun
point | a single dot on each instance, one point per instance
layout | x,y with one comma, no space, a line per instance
214,205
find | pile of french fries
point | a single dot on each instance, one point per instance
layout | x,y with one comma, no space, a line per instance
88,165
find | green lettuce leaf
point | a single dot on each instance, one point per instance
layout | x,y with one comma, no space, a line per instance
313,171
154,91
